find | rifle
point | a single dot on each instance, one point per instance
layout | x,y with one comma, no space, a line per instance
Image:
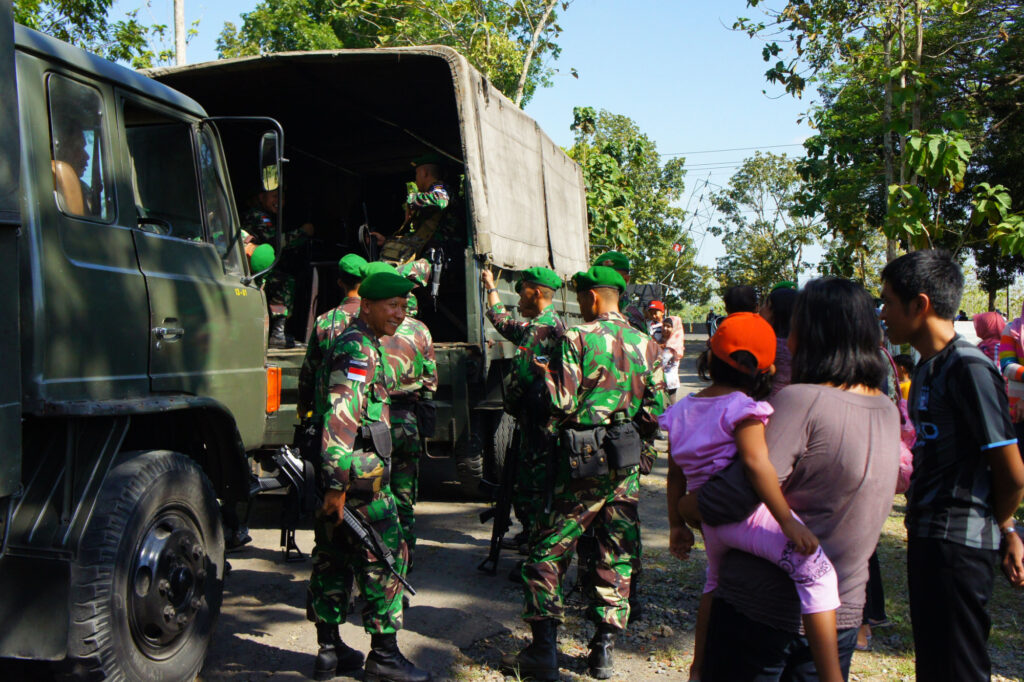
436,266
371,540
501,512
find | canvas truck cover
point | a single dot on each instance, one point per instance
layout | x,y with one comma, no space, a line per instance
526,199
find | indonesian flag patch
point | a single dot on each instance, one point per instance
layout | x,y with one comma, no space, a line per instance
357,370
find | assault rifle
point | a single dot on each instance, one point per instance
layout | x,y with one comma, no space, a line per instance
371,540
501,512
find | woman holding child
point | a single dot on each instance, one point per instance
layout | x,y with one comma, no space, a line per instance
832,437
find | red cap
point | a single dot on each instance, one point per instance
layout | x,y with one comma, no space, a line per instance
656,305
745,331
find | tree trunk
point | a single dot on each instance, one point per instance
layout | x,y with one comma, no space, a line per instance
887,146
179,32
534,39
992,299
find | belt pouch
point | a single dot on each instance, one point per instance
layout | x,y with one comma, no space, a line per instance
586,456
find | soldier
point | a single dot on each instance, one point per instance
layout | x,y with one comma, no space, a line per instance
536,338
620,263
412,379
425,205
354,480
603,391
259,224
312,400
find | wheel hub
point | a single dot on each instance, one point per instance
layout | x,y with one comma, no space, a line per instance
167,584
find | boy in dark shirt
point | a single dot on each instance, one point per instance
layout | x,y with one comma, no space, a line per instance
968,475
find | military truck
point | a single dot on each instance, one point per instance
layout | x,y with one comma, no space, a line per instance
134,378
355,119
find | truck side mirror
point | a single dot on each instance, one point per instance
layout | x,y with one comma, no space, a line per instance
270,161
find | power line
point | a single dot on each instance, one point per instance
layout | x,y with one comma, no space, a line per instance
734,149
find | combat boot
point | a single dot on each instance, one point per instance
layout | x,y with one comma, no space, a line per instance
387,664
334,657
277,335
538,661
601,646
636,607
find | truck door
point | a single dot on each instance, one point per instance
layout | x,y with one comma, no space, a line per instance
207,328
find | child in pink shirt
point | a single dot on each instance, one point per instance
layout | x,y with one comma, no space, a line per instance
707,431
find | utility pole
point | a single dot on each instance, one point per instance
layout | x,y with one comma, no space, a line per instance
179,32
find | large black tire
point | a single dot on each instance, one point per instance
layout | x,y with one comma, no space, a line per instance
500,442
146,589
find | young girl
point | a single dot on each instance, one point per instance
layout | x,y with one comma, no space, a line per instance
707,431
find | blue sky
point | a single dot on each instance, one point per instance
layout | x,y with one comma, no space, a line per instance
674,66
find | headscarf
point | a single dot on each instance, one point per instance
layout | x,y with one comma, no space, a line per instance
676,340
987,327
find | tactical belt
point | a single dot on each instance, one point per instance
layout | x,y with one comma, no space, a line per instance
597,450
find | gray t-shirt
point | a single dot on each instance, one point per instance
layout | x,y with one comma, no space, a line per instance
837,455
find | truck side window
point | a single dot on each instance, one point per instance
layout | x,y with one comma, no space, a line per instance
220,222
80,153
163,172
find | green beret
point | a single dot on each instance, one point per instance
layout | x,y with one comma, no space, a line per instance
599,276
352,264
377,267
412,306
614,260
545,277
429,157
784,284
262,258
382,285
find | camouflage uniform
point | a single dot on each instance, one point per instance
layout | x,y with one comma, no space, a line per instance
411,373
357,396
606,366
259,227
316,365
539,336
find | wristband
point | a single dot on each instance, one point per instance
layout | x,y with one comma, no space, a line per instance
1009,530
492,290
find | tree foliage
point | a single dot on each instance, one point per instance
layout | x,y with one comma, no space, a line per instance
631,203
914,96
85,23
764,229
510,41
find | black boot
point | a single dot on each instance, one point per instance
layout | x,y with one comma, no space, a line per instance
538,661
601,646
636,607
277,336
387,664
335,657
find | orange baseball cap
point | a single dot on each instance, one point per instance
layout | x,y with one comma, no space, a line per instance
745,331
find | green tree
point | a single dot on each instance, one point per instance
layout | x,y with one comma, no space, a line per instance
85,23
632,199
764,229
509,41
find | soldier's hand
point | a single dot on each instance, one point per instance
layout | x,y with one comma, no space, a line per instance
334,505
487,278
540,365
380,239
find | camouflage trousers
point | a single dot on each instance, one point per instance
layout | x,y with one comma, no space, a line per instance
280,290
339,560
528,498
405,470
608,504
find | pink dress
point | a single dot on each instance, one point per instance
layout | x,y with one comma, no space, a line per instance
702,442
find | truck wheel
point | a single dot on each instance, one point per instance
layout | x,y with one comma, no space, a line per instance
499,446
469,471
146,589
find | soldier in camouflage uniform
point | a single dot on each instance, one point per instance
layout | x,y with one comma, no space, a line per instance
636,318
411,372
425,216
538,336
259,226
354,480
312,402
602,378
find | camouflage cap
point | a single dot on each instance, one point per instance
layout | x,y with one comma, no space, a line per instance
262,258
352,264
546,277
377,267
599,276
614,260
381,285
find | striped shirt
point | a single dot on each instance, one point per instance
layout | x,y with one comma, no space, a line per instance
1010,365
958,405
